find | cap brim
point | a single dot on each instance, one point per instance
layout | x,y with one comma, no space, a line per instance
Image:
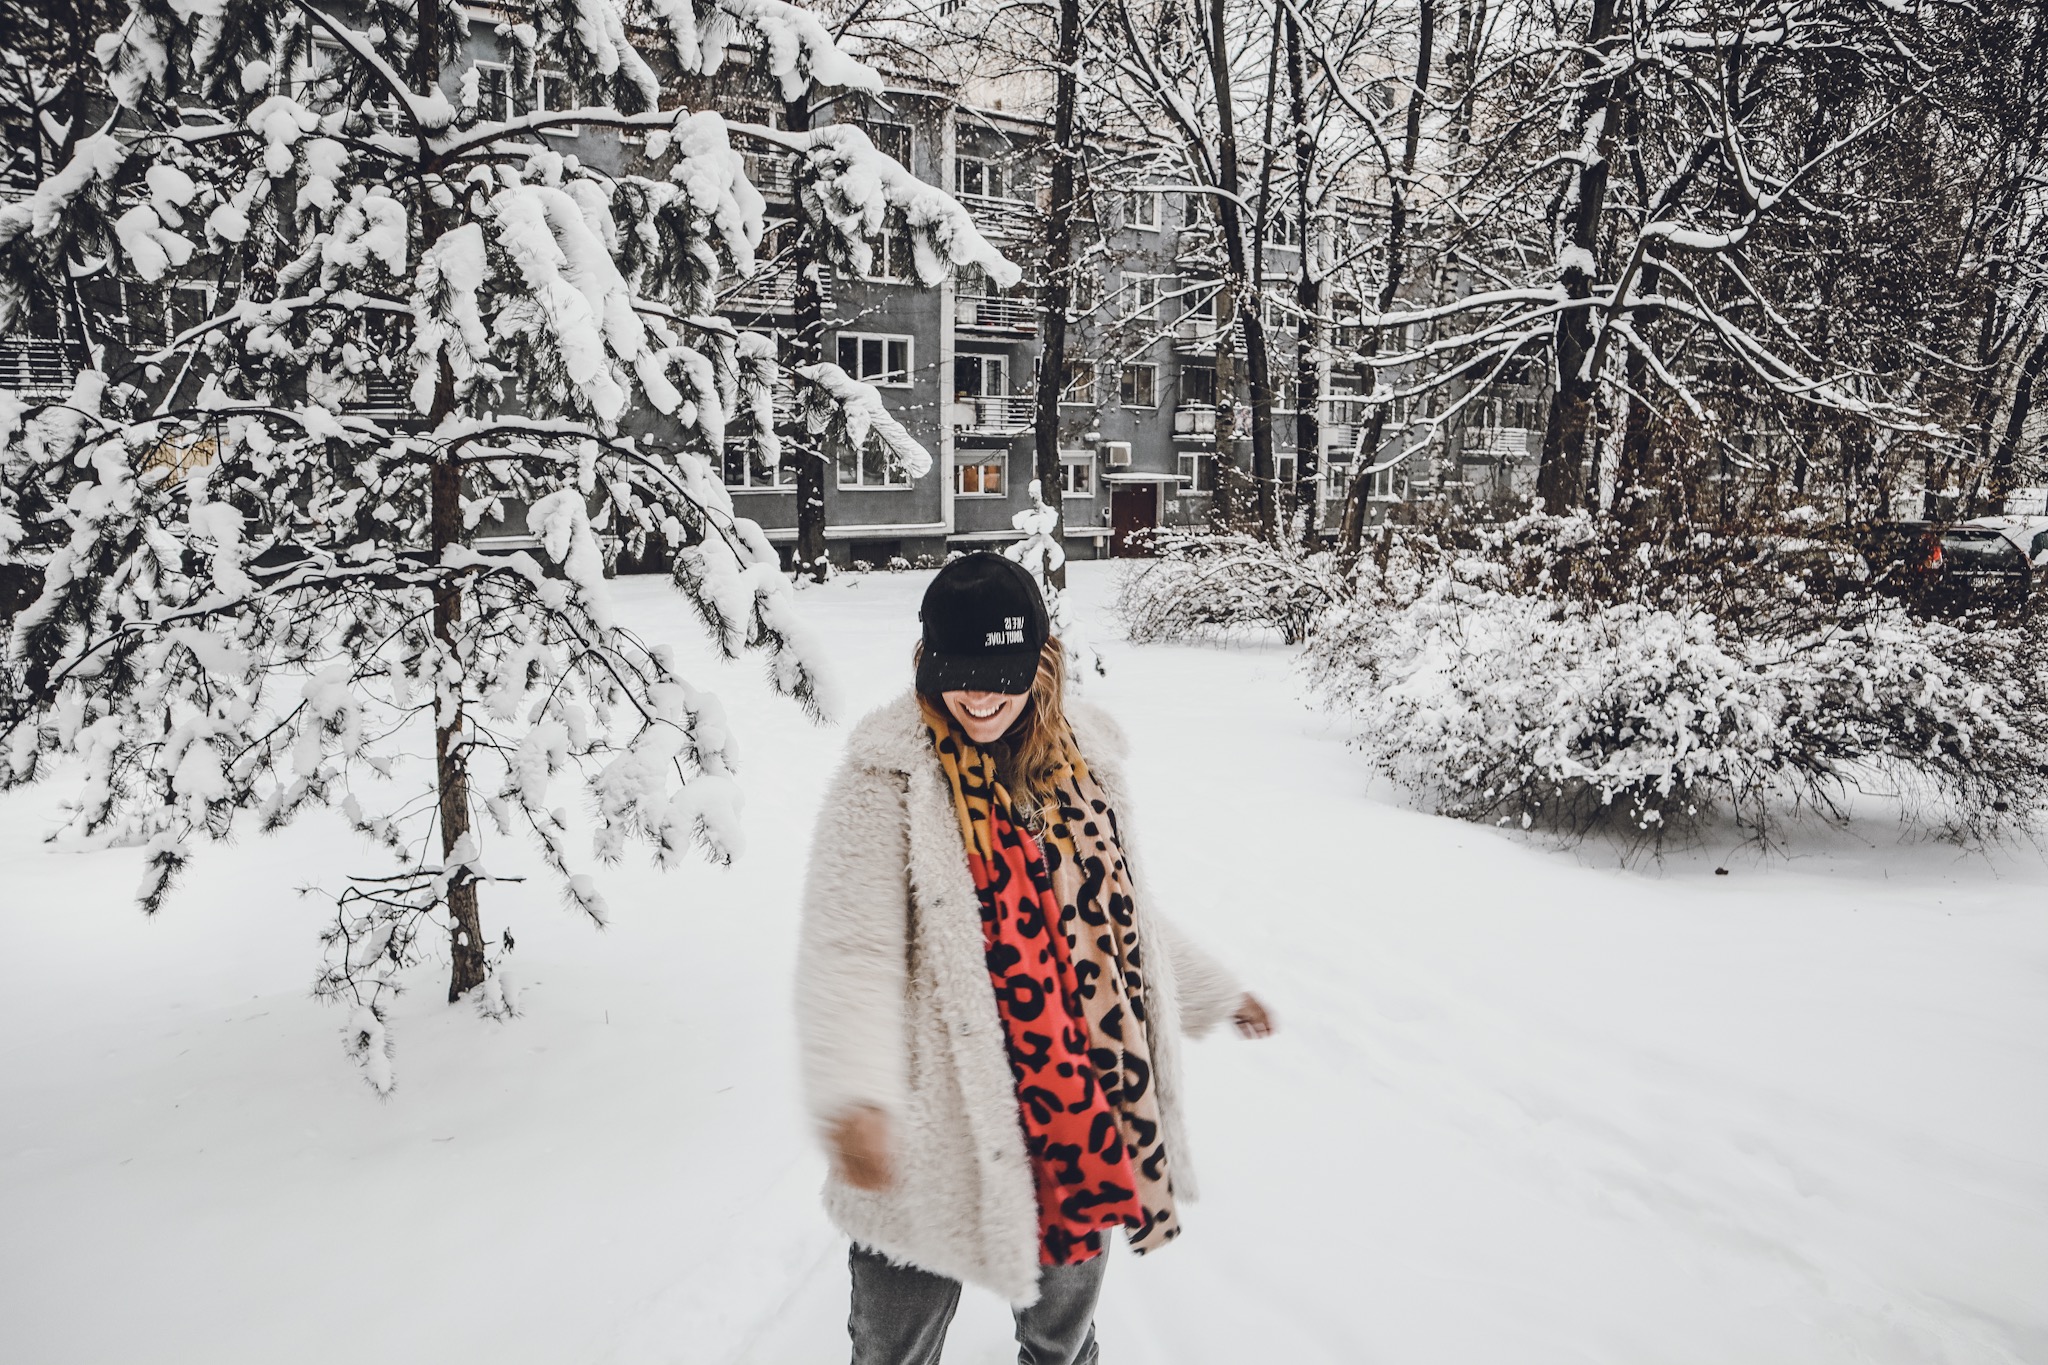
1010,671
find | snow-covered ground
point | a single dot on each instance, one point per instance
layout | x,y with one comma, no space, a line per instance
1525,1107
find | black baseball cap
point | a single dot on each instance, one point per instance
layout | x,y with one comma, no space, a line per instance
984,625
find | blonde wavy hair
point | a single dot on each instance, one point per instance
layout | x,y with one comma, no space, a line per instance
1040,743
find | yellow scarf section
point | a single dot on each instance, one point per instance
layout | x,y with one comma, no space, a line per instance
1092,884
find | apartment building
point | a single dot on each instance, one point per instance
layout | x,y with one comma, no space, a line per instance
957,364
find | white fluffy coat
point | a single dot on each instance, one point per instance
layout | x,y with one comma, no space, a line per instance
895,1008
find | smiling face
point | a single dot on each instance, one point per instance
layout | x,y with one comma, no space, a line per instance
986,716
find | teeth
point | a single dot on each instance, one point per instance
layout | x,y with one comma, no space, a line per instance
984,715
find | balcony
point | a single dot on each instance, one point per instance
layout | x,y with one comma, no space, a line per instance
1197,335
41,366
771,289
995,313
998,415
1194,422
1000,218
1502,445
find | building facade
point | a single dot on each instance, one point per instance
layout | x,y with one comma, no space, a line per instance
957,364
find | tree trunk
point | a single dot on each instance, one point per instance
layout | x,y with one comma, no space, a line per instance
1239,284
1308,302
1223,501
466,964
451,754
1367,453
805,345
1058,292
2005,456
1571,421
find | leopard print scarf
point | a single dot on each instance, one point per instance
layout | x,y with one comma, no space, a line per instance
1076,865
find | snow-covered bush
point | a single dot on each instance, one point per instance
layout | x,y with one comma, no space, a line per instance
1534,708
1208,584
238,591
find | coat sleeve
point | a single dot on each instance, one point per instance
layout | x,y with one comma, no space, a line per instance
1207,990
852,967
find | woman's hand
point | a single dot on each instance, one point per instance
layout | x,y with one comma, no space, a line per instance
1251,1018
860,1149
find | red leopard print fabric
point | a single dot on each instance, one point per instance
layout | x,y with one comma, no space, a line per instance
1078,1157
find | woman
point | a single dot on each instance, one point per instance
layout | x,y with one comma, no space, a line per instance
988,1003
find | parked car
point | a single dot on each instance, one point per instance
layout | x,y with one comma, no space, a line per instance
1952,570
2029,533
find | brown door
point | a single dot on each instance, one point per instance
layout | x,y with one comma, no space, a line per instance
1133,507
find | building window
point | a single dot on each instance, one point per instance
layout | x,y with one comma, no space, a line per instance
493,92
1389,484
1194,208
1141,209
976,176
980,475
891,139
1198,384
1140,387
1198,472
869,467
1077,382
1081,293
980,376
1285,469
1141,296
745,468
891,257
553,94
881,360
323,80
1077,476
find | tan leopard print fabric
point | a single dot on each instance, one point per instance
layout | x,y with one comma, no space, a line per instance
1088,878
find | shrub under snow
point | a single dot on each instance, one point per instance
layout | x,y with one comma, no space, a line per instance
1511,706
1205,584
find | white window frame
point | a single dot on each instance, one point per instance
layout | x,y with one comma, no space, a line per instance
1084,461
1146,287
991,177
1286,468
385,109
1138,365
868,126
1086,398
505,73
1142,212
541,81
883,265
782,399
886,338
1389,484
986,362
1083,294
782,478
981,460
1192,466
870,460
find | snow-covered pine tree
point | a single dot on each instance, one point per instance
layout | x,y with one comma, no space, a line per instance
1043,556
249,597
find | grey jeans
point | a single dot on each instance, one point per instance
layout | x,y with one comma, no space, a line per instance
901,1313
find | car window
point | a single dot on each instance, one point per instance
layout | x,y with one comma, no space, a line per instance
2040,542
1981,548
